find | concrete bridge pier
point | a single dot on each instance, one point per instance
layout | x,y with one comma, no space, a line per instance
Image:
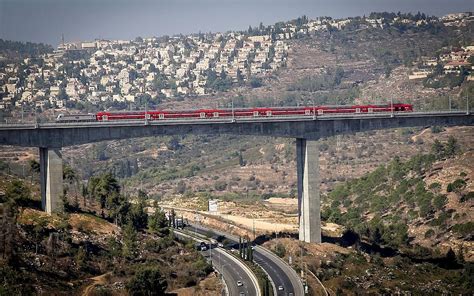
309,201
51,179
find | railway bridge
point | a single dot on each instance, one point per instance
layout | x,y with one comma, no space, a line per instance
51,137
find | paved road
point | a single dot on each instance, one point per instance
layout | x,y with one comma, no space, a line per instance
231,271
280,273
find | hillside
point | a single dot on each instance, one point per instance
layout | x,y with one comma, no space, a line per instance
82,252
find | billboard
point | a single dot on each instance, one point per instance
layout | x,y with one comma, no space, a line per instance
213,205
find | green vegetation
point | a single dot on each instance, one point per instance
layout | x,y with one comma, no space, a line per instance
147,281
382,191
466,229
17,49
280,250
447,150
37,251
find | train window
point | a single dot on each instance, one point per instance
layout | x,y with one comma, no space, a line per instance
320,111
216,114
269,113
162,116
357,110
105,117
202,115
307,112
255,113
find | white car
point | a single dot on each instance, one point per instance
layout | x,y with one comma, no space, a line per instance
239,284
280,288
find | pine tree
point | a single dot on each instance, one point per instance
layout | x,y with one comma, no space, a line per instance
129,241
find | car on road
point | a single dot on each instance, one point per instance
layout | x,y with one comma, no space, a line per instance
241,294
240,284
280,288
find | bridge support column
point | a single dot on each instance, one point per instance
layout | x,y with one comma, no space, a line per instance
309,202
51,173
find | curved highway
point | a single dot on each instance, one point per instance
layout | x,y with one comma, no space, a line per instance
231,270
279,272
232,273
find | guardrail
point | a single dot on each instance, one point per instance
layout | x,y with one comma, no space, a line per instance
221,120
293,272
244,266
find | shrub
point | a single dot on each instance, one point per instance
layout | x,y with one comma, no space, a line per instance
464,229
467,197
436,129
429,233
147,281
456,186
280,250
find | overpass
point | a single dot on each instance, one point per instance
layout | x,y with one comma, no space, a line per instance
51,137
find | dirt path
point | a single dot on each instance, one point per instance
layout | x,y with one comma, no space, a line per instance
98,280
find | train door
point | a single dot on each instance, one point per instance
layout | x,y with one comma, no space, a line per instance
307,112
255,113
161,116
357,110
202,115
320,112
370,110
148,116
215,114
269,113
105,118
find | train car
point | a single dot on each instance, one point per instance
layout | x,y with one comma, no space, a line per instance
76,117
234,113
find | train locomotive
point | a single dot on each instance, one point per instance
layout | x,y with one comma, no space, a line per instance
155,115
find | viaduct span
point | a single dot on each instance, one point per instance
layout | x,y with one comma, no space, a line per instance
51,137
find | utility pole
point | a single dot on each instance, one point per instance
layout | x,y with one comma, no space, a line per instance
253,229
449,98
233,116
146,107
210,251
391,106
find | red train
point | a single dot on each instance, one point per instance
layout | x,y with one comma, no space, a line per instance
233,113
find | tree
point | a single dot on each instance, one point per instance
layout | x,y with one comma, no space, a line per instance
437,149
157,222
137,216
452,147
147,281
129,248
17,192
255,82
81,257
102,187
34,168
181,187
70,176
280,250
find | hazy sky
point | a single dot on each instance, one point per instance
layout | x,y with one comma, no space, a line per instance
46,20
